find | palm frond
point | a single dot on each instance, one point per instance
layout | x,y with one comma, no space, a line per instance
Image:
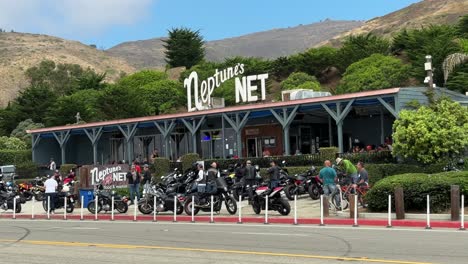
452,61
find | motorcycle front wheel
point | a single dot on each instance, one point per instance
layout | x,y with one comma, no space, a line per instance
289,191
314,192
70,208
188,207
231,205
284,208
257,208
92,207
121,207
145,208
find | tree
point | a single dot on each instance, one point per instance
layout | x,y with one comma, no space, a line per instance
372,73
437,41
431,134
356,48
142,78
163,96
12,143
64,110
184,47
20,130
300,80
282,67
31,103
315,61
452,61
462,27
117,101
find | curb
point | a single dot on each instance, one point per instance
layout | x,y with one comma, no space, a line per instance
256,220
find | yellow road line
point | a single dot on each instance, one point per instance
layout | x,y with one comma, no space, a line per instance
272,254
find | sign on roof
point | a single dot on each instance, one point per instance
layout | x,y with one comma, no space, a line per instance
247,88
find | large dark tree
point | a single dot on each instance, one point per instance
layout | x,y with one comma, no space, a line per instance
184,47
356,48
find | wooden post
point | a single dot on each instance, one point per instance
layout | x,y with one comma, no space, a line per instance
399,203
84,177
325,205
351,200
455,202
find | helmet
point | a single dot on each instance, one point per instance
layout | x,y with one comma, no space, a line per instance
338,161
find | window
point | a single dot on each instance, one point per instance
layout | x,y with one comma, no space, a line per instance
269,142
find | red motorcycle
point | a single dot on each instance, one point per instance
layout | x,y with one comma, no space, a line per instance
24,190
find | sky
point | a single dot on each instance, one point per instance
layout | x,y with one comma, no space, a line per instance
107,23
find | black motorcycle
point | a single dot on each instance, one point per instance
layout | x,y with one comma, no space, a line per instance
104,202
304,183
164,200
275,200
202,198
7,201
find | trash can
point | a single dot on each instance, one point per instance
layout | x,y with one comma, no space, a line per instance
88,196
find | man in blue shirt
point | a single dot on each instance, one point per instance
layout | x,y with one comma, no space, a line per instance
328,177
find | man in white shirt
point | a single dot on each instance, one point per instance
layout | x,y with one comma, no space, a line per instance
50,191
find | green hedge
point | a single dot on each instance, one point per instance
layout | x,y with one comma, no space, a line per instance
160,167
188,159
416,187
13,157
65,169
329,153
27,170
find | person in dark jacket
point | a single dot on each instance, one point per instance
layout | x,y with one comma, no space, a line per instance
250,178
239,172
212,174
274,172
133,178
146,176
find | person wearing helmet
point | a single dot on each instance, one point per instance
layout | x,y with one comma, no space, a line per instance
348,168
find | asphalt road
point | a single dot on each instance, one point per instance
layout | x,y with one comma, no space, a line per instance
74,242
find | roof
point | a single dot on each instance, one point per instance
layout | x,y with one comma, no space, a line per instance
249,107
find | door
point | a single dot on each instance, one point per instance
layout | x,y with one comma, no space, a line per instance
252,149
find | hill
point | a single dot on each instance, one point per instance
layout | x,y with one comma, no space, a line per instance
19,51
420,14
267,44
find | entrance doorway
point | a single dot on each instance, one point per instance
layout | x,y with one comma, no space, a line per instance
254,147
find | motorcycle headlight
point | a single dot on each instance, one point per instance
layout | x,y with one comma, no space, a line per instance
113,192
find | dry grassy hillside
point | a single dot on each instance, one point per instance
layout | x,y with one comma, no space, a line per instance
423,13
19,51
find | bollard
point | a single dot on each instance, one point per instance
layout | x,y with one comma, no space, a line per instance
135,208
295,209
65,208
399,203
112,208
175,209
82,204
462,224
389,211
48,206
355,211
33,202
193,209
211,216
321,210
428,224
154,209
266,210
341,198
240,210
14,208
96,201
454,202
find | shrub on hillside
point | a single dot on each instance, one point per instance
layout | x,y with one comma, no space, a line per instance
416,187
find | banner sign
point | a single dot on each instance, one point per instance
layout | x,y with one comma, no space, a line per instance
109,175
245,88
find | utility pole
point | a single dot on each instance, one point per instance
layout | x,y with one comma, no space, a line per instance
429,78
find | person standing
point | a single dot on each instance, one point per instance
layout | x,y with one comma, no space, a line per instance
211,176
133,178
348,168
51,192
146,177
328,177
274,172
52,166
250,179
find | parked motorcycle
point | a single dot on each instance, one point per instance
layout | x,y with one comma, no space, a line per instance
25,190
62,194
164,202
202,198
275,200
7,198
104,202
38,189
